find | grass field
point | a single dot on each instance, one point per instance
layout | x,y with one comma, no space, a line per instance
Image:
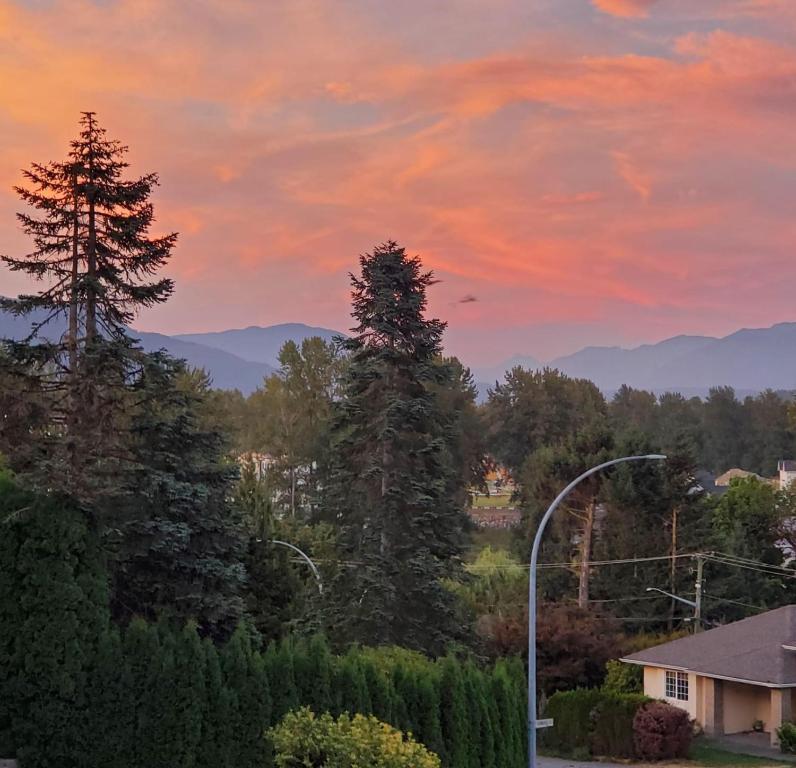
495,500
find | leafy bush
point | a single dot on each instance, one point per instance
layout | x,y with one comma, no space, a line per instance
302,739
623,678
786,734
572,715
612,724
592,722
661,732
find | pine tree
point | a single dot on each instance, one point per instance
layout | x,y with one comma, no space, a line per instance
90,229
181,547
390,485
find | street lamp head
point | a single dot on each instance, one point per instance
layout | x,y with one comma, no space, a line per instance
656,457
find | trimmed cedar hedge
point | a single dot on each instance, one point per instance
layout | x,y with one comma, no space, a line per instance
594,722
78,692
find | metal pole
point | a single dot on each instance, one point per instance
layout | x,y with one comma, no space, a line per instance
689,603
532,593
698,600
315,571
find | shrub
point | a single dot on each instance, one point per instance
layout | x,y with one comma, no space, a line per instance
592,722
661,732
623,678
359,742
572,715
786,734
612,724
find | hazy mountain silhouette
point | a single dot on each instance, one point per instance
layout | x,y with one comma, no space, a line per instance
749,360
255,343
227,371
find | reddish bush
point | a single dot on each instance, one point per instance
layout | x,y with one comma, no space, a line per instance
661,732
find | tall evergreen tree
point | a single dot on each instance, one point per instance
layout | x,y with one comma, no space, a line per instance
390,487
93,249
181,547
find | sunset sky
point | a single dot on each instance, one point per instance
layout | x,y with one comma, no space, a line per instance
591,171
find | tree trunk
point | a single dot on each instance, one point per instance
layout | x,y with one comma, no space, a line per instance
73,300
585,556
91,248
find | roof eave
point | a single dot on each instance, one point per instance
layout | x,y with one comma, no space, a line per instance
759,683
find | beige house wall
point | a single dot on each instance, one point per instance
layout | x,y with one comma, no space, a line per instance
740,704
743,704
655,687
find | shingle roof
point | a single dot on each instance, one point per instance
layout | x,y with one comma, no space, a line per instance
750,650
787,465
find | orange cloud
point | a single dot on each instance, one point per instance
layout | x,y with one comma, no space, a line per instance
552,170
625,8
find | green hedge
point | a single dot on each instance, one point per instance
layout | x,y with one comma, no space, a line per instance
592,722
78,692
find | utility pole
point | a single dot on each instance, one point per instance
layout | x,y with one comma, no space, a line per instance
533,723
698,599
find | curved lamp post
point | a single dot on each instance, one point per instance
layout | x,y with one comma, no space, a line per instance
309,562
532,725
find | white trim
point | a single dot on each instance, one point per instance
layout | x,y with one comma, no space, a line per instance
706,674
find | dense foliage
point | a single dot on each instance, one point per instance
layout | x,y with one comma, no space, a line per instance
393,486
358,742
599,723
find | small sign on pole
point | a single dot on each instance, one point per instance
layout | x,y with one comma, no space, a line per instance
546,723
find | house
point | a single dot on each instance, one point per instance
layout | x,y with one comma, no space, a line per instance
787,473
729,677
731,474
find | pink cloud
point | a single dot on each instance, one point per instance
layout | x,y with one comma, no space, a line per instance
625,8
607,181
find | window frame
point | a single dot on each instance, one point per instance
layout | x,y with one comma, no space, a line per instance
676,685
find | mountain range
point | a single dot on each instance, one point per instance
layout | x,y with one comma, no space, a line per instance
235,359
750,360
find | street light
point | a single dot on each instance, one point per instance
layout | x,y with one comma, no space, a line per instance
309,562
532,725
690,603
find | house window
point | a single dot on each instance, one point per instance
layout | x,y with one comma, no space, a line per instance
677,685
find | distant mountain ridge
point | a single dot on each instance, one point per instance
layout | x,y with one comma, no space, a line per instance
749,360
256,343
259,348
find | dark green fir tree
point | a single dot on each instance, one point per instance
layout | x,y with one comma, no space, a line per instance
97,261
390,488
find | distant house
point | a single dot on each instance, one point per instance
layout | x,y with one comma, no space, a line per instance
723,481
787,473
729,677
261,461
705,482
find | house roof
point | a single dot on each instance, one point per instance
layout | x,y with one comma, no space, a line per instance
787,465
735,472
759,650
